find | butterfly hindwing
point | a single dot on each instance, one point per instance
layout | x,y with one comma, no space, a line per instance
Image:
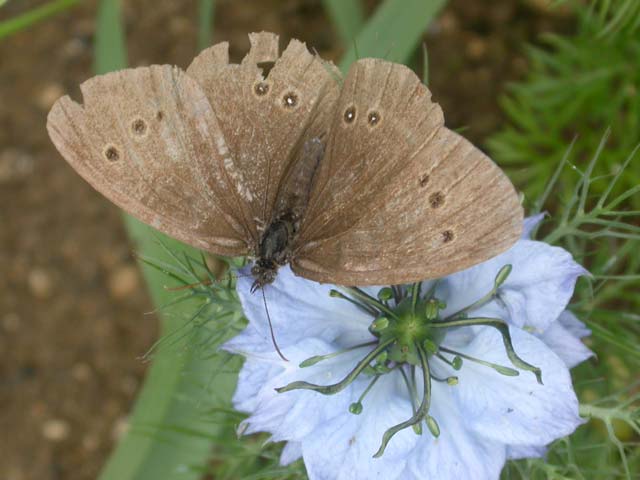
148,140
399,197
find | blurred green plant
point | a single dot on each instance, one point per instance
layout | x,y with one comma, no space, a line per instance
169,435
613,15
585,87
393,32
578,85
33,16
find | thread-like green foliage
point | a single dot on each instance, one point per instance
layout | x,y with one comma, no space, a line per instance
577,86
584,88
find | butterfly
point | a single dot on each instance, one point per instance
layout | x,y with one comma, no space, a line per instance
352,181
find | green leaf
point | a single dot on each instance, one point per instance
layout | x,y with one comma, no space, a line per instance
169,436
14,25
394,31
206,9
347,16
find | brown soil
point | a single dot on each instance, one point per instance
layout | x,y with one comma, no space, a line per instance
72,323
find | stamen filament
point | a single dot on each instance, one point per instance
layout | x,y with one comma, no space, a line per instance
415,296
356,407
502,275
423,411
431,292
456,363
477,304
362,295
397,293
363,306
453,380
342,384
503,328
319,358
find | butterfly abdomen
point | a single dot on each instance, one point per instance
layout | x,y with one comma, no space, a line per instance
274,250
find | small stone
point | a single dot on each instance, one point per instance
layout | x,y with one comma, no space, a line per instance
15,473
120,428
550,7
91,443
11,322
123,281
448,22
477,48
48,95
15,165
129,384
81,372
40,283
55,430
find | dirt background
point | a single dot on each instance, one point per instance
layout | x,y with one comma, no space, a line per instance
72,304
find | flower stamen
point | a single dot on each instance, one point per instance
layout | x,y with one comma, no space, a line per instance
501,277
361,305
368,299
356,407
456,363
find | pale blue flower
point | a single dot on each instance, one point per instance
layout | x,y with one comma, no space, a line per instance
477,417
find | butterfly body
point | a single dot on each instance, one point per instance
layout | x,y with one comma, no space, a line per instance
274,250
352,181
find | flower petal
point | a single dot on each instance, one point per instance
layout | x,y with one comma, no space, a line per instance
564,342
458,452
251,379
291,452
516,410
535,293
530,223
515,452
575,326
298,309
294,414
342,448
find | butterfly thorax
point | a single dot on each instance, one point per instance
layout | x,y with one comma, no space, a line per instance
274,250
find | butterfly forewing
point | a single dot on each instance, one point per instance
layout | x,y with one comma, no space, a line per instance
272,159
267,119
148,140
398,197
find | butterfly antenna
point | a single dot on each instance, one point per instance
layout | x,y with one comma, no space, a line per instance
273,337
205,283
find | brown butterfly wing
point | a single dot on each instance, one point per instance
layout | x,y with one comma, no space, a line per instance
269,121
398,197
148,140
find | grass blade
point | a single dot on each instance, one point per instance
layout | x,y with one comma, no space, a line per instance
206,9
394,31
347,17
173,392
14,25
